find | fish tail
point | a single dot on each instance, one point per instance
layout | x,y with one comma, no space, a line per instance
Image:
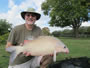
14,51
11,49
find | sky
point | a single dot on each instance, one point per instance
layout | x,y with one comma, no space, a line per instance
11,9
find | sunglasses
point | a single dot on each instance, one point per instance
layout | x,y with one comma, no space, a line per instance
29,14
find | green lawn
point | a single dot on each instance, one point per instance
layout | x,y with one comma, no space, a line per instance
4,57
78,48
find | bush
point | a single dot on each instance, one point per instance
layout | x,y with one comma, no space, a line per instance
3,38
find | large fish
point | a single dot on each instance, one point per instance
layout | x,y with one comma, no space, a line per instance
43,45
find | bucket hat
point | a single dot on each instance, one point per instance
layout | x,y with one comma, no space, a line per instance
30,10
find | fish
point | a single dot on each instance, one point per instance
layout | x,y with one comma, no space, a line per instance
41,46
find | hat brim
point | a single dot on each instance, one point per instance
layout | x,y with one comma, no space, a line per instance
37,15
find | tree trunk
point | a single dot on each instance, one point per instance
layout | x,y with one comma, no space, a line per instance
76,24
75,31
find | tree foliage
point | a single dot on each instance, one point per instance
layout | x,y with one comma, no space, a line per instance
56,33
46,31
66,13
84,31
3,38
88,30
4,26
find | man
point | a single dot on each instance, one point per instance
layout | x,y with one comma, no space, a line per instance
23,34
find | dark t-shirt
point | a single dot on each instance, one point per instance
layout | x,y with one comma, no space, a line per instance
18,35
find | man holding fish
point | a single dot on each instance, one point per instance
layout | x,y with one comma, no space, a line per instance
28,48
23,34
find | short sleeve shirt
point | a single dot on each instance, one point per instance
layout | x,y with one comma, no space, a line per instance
18,35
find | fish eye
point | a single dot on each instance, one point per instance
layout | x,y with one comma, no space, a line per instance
64,46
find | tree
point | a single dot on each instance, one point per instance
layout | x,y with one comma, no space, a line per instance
46,31
65,13
56,33
4,26
88,30
82,30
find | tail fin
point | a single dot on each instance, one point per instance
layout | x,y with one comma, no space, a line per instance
11,49
14,50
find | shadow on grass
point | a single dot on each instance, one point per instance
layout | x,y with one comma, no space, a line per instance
80,62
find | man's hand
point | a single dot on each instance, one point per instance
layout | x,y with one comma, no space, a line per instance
26,53
25,42
51,55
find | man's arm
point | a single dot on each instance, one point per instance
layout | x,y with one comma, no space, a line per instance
10,48
8,44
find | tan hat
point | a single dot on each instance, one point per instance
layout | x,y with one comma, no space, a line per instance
30,10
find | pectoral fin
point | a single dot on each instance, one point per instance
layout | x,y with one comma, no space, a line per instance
54,57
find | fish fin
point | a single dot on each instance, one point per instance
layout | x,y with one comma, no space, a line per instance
13,56
11,49
14,51
54,57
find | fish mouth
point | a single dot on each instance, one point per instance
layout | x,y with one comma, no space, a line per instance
67,51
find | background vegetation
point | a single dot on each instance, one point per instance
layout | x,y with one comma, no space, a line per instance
66,13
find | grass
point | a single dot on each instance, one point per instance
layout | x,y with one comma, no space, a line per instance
78,48
4,57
